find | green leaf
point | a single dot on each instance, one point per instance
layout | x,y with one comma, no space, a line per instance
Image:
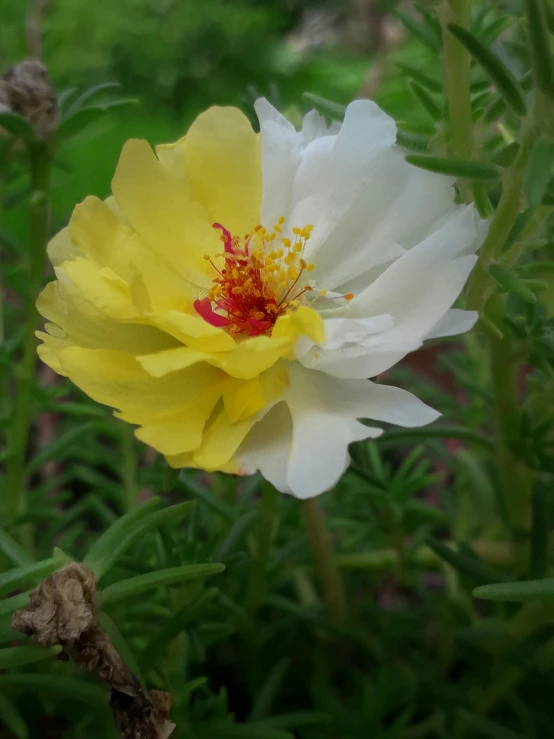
487,728
420,77
87,95
420,32
539,172
539,535
539,45
68,687
17,125
170,478
141,583
9,605
214,729
13,550
100,556
503,79
413,141
269,690
295,720
455,167
11,718
505,156
438,432
426,100
511,283
19,656
156,648
517,592
114,547
464,563
235,533
75,123
21,577
324,106
59,449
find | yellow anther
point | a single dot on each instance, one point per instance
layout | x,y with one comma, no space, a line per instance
349,296
310,266
287,243
297,231
281,220
322,292
298,247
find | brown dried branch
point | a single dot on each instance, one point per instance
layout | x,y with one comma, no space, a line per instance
37,11
26,89
62,612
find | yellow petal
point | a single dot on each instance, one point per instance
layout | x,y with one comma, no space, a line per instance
61,248
221,440
83,325
101,236
180,432
103,288
116,379
178,461
244,398
302,322
221,157
160,207
247,360
195,332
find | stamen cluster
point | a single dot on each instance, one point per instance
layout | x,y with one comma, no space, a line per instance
258,281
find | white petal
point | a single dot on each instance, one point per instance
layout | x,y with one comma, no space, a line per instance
267,448
453,322
324,413
335,169
282,151
302,447
397,204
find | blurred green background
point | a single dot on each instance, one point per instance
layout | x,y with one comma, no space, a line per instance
178,57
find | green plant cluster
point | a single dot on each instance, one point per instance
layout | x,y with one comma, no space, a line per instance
443,535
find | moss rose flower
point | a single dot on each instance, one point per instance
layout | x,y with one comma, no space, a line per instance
233,296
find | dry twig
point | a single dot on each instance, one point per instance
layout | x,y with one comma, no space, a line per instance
62,611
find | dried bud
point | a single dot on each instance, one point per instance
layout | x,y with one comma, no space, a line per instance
62,612
26,89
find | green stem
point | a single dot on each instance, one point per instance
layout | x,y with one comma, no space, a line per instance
456,62
493,552
514,476
128,467
14,487
506,213
324,557
256,585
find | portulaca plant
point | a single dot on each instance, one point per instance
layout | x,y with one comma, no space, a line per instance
233,296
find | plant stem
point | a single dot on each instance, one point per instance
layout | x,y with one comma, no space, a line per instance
506,213
128,467
493,552
256,585
324,557
456,62
514,476
14,503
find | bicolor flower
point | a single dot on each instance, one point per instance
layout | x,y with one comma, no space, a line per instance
235,294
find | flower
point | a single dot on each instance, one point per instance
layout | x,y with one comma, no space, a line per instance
233,296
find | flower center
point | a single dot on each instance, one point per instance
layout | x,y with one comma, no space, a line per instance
258,278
